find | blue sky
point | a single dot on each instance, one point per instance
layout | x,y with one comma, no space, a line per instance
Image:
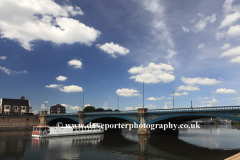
58,49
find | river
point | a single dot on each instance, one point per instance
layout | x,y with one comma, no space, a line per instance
210,142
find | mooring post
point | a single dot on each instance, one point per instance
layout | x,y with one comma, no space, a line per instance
80,116
42,120
142,127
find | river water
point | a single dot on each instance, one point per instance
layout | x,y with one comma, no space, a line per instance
214,142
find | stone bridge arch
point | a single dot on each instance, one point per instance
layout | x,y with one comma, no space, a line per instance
63,119
133,118
190,116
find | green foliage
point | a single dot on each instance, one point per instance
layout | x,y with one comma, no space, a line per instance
89,109
99,110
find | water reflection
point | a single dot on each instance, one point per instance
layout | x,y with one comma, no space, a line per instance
209,142
69,141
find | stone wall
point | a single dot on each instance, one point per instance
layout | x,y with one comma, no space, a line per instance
18,121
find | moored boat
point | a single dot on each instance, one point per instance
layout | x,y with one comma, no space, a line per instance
67,130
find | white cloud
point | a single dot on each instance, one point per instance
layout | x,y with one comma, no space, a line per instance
54,86
150,106
113,49
203,22
68,89
76,63
235,60
220,35
71,88
225,91
155,98
165,107
125,92
227,6
129,108
230,19
225,46
170,53
185,29
179,94
28,20
36,112
188,88
234,31
8,71
3,57
153,73
43,106
231,52
74,107
159,30
200,80
200,46
64,105
61,78
210,101
70,107
87,105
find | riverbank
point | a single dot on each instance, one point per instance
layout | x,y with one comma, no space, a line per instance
14,128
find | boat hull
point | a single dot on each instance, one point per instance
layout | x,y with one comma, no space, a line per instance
67,134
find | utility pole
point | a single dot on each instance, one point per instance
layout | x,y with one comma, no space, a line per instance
173,98
191,103
143,94
83,99
45,104
79,105
118,103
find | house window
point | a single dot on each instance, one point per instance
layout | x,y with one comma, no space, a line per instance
15,107
23,107
6,107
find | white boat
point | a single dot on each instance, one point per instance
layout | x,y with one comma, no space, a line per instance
67,130
66,141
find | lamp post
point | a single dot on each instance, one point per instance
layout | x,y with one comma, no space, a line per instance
118,103
83,99
173,98
45,104
143,94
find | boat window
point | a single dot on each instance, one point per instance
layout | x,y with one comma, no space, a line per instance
81,129
74,129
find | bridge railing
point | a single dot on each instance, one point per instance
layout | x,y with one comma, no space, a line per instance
111,112
196,109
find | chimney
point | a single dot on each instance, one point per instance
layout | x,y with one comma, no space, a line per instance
22,98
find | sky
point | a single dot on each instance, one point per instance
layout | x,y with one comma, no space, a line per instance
53,52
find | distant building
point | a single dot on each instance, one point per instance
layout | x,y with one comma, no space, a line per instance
57,109
14,106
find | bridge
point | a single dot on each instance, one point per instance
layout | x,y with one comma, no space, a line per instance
144,116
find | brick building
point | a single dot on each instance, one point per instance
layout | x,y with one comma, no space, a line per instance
14,106
57,109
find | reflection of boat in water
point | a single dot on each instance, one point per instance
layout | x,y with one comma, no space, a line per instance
55,142
68,130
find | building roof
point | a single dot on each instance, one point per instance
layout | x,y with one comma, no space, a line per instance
57,106
15,102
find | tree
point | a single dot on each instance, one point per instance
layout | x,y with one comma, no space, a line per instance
99,110
116,110
89,109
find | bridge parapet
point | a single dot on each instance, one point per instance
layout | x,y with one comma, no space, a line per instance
197,109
